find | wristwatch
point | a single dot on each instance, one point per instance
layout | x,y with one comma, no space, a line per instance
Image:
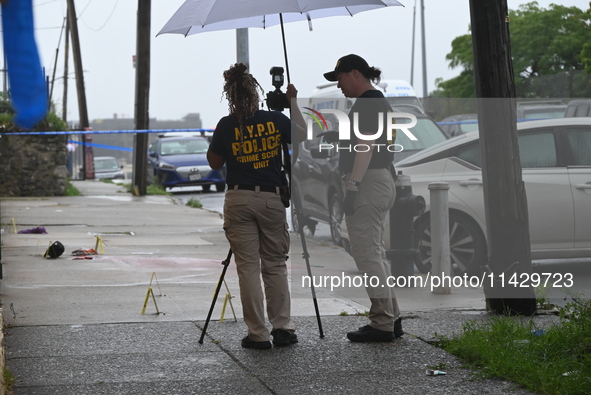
354,183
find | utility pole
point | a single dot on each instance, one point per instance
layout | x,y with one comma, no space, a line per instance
412,54
82,109
423,44
57,52
242,46
66,71
142,96
504,191
87,168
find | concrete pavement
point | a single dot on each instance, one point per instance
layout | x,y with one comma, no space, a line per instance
75,326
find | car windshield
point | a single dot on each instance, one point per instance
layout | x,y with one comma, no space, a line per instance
105,164
469,126
184,147
404,100
426,132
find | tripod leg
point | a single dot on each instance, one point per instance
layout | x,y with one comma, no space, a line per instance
296,201
215,296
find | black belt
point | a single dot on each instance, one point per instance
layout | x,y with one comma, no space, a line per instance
262,188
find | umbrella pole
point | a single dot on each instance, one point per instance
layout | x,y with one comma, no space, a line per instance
284,49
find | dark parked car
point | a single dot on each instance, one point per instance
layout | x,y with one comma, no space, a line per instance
181,161
315,174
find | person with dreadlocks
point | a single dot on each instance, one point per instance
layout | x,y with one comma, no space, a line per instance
249,142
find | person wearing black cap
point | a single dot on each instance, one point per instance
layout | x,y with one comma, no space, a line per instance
369,192
249,142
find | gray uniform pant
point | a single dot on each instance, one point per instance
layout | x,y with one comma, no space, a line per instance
256,227
366,233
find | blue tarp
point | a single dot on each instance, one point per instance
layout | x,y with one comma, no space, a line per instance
25,75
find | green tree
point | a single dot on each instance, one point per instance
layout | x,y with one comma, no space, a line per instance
586,57
586,53
550,50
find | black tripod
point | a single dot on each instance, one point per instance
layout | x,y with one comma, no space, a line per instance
226,262
297,204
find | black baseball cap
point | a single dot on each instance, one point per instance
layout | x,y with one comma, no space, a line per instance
346,64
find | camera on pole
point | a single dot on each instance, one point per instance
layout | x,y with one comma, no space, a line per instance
277,100
406,207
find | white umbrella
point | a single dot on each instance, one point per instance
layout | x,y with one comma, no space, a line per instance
199,16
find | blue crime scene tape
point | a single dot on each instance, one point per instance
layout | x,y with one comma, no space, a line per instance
88,144
113,147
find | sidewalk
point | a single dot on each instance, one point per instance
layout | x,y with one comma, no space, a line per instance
76,326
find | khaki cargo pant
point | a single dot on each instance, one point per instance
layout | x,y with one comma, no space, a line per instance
366,232
256,227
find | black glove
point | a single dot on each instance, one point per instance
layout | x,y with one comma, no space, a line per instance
330,136
349,202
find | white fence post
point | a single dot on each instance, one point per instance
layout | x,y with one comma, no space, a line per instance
440,259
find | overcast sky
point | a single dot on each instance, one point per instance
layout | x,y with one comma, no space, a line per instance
186,72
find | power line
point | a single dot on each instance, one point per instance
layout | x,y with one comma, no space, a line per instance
47,2
82,12
106,21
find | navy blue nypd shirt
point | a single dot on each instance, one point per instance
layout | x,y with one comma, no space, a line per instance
253,157
367,107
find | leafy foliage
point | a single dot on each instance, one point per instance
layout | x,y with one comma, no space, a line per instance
551,49
586,57
51,122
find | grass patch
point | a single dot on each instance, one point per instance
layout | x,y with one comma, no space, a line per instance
152,189
8,381
552,360
356,314
71,190
157,189
195,203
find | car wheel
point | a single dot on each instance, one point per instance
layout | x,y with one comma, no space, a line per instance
220,187
468,249
335,219
206,187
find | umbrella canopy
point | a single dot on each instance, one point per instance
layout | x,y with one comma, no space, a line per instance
199,16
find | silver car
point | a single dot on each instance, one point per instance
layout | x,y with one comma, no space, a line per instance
107,167
556,161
